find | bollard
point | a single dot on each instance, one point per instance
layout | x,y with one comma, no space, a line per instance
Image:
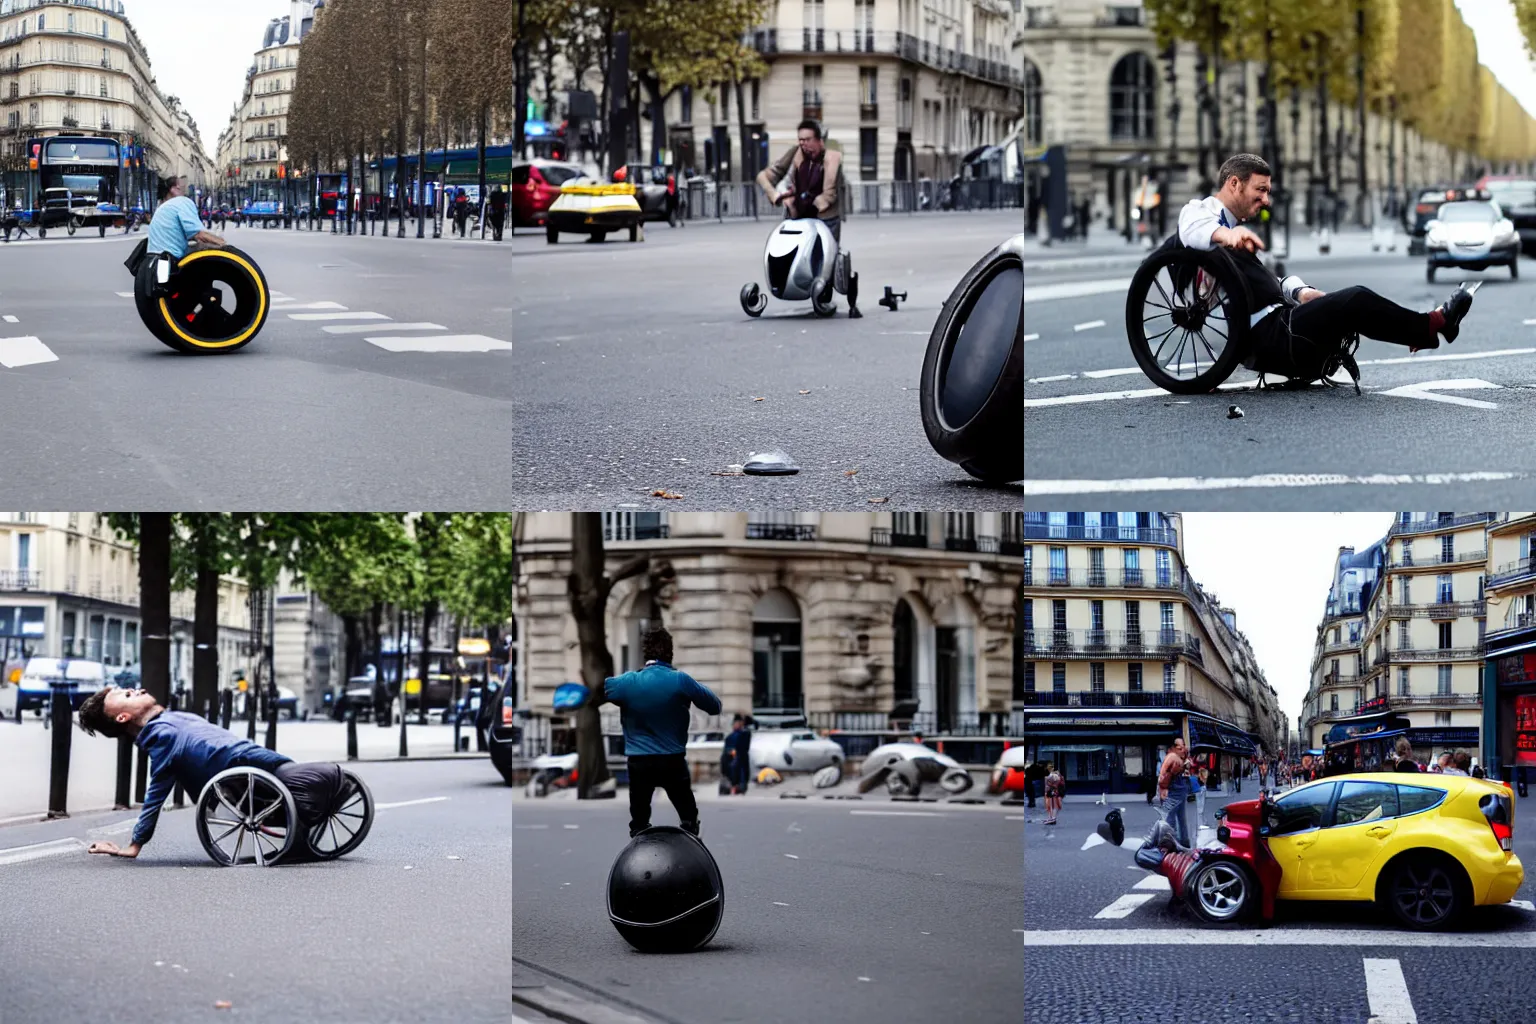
226,704
403,716
58,788
271,722
250,716
351,734
456,745
211,711
124,773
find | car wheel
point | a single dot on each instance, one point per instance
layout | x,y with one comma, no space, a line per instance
1429,273
634,232
551,235
1426,892
1514,268
598,236
1220,891
69,227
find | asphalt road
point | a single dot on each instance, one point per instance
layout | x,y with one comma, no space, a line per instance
1145,960
1431,425
638,370
302,418
413,927
834,912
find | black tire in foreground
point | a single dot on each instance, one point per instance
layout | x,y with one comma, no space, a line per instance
1186,318
972,387
218,302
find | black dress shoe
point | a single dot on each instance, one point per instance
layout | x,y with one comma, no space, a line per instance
1455,309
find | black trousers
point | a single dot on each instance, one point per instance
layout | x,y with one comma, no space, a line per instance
647,772
1354,310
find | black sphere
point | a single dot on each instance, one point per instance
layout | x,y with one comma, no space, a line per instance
665,894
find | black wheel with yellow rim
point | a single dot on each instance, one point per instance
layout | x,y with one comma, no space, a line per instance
218,302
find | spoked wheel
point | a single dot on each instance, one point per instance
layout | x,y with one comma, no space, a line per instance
1425,894
1186,315
347,826
1220,891
246,816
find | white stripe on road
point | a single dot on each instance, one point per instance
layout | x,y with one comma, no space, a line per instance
441,343
125,295
9,318
904,814
1387,993
1013,817
26,351
38,851
362,328
1122,907
408,803
1522,904
337,316
1027,337
530,826
1220,483
1117,372
1073,289
310,305
112,830
1089,324
1169,938
1055,377
1157,883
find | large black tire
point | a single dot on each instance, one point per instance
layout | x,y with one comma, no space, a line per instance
551,235
1429,273
1186,319
1426,891
101,229
188,320
501,757
1514,268
972,386
1221,891
69,227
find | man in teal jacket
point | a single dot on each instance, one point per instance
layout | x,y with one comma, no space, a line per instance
654,702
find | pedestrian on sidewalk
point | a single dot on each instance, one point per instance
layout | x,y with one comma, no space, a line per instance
1405,761
1055,789
460,212
1463,762
738,749
1084,210
1173,789
498,211
654,702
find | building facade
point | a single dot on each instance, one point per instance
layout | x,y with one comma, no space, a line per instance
80,67
1338,660
1124,650
252,156
1096,83
69,586
854,619
1509,676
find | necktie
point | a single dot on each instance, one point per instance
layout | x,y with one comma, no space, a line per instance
1224,219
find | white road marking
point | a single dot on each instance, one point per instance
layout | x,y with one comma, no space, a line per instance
1088,325
792,856
1169,938
441,343
1522,904
1220,483
1114,396
1094,839
112,830
408,803
907,332
570,826
1073,289
281,295
1427,390
1117,372
25,351
904,814
1527,322
125,295
1013,817
778,904
1047,380
309,305
37,851
1387,993
1027,337
363,328
337,316
530,826
1122,907
10,319
1157,883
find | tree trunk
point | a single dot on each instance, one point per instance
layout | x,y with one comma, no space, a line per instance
428,617
589,589
520,96
155,613
607,61
746,170
352,629
205,632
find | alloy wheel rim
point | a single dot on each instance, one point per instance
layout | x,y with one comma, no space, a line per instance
1222,890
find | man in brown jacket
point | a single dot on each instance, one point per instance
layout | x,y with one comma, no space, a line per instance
815,179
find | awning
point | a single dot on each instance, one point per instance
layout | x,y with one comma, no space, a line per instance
1465,734
1076,748
1366,736
1211,736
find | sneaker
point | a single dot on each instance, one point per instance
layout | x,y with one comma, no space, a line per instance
1455,309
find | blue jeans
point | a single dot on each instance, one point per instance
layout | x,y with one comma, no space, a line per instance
1174,810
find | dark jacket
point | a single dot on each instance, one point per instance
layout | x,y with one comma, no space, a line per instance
1406,765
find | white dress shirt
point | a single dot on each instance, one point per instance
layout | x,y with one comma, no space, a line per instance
1198,221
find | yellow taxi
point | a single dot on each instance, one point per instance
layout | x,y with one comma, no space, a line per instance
1424,846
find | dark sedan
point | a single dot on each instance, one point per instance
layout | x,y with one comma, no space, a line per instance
495,724
650,189
1517,198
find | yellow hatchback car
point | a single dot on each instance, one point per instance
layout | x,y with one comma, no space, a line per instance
1424,846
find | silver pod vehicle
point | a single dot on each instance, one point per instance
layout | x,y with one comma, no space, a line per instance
802,261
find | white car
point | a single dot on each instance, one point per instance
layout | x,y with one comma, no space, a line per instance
1471,235
705,745
793,750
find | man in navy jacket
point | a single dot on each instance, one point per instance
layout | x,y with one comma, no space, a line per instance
654,703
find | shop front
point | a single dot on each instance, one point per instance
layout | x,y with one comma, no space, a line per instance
1116,751
1509,705
1220,747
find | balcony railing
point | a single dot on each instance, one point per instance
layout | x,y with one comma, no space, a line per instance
1524,620
884,538
1129,579
1438,610
771,41
811,111
869,111
1113,699
1088,531
1337,646
1423,700
1522,571
983,544
1402,654
644,531
974,723
1105,643
1438,525
780,531
1456,558
1341,679
21,579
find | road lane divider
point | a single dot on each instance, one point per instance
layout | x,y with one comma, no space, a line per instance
337,316
37,851
1387,992
25,351
441,343
1122,907
363,328
1037,488
409,803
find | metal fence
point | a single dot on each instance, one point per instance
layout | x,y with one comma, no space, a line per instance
705,199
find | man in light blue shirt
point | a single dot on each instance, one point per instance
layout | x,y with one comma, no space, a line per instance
655,702
176,227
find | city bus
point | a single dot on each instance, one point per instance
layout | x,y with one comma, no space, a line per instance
78,178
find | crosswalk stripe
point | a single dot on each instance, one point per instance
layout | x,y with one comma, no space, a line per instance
56,848
9,318
25,351
1123,906
308,305
124,295
1157,882
441,343
362,328
337,316
1387,993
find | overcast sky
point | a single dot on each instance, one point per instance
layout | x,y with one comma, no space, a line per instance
199,51
1274,570
1501,47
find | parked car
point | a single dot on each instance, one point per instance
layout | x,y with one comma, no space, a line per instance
498,728
793,750
1516,196
1008,775
650,189
705,746
288,701
36,685
535,185
1471,235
